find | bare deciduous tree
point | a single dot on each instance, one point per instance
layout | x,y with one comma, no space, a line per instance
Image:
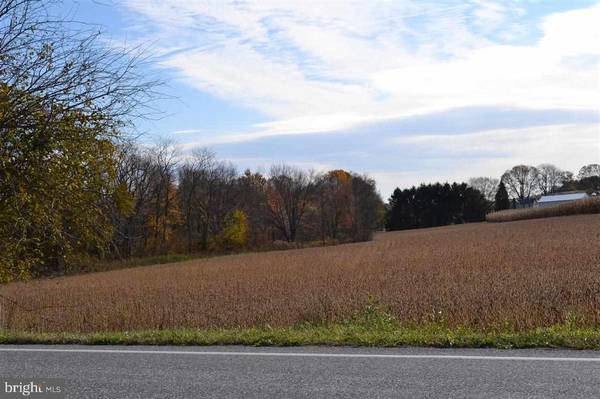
65,66
191,193
486,186
207,193
164,159
133,181
590,170
252,200
521,181
288,194
551,178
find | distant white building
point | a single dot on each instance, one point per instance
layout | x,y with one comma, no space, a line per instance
557,199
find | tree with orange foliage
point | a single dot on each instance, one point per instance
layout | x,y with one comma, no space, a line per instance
335,204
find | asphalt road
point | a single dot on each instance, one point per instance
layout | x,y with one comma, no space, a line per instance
306,372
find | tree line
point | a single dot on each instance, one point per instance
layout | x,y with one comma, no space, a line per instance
73,185
439,204
104,199
521,185
198,203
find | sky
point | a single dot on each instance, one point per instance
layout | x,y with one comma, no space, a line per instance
407,92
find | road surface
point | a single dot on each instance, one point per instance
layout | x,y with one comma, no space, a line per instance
306,372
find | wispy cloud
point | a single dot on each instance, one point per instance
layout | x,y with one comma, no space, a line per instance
451,121
311,60
376,70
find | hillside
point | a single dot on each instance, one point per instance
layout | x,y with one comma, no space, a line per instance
518,275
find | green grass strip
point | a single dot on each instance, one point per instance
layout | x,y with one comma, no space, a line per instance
348,334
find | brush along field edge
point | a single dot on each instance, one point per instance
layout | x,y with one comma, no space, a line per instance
562,336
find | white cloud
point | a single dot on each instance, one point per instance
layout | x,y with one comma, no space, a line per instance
240,74
318,124
305,60
529,76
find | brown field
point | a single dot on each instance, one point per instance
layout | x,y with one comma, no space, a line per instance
518,275
586,206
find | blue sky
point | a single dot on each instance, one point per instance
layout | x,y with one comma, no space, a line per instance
405,91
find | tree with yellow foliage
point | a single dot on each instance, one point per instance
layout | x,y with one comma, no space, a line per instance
235,228
56,176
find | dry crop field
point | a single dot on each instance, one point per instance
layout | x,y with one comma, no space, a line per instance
580,207
517,275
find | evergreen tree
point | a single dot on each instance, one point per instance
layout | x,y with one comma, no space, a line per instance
501,200
435,205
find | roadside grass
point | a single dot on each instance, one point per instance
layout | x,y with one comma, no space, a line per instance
370,328
335,335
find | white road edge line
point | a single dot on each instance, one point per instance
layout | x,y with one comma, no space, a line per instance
307,354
